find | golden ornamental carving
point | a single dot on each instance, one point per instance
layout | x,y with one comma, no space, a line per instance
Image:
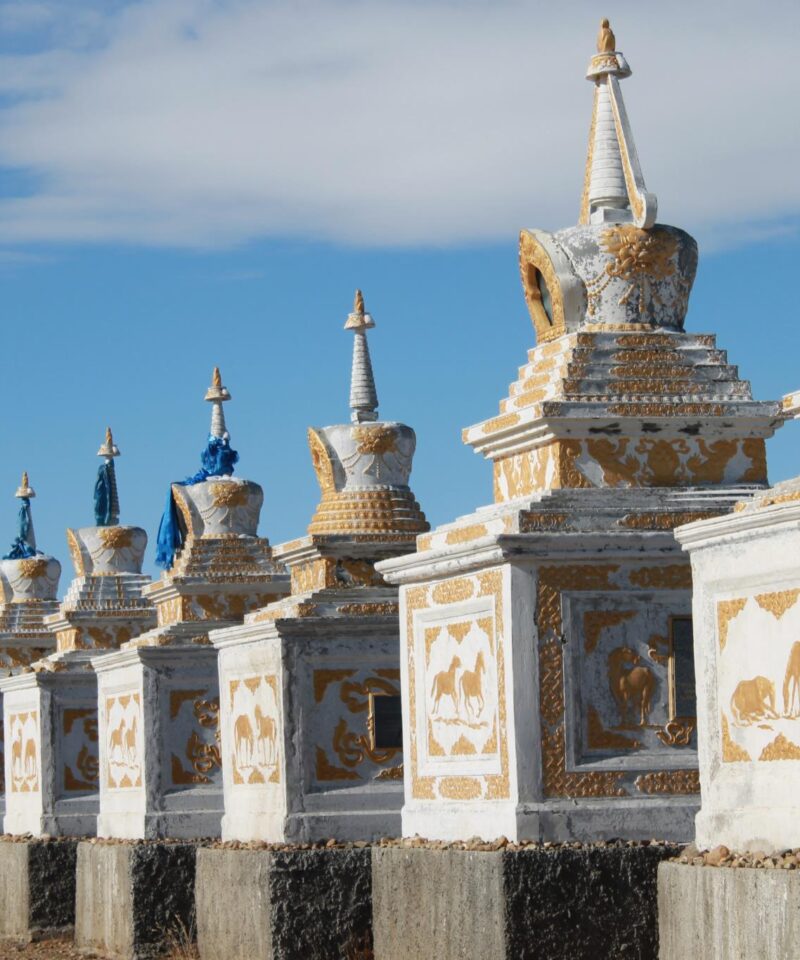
75,553
115,538
672,577
354,748
500,423
453,591
727,610
327,771
780,748
676,733
598,737
391,773
595,621
532,522
385,609
778,603
32,568
558,782
583,216
731,751
664,521
662,409
658,648
534,260
640,257
466,534
669,781
229,495
375,440
321,460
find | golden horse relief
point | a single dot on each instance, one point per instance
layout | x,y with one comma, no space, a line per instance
631,685
471,687
791,683
753,700
444,685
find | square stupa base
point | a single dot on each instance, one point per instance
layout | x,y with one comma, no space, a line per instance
37,888
134,899
720,913
284,904
568,902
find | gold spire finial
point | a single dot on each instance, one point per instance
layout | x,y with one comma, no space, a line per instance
108,448
359,319
216,378
25,490
606,41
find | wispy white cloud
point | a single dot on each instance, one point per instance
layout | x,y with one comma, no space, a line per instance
212,122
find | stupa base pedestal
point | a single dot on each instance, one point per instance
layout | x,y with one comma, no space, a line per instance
55,714
563,903
37,889
159,772
720,913
556,821
292,904
133,900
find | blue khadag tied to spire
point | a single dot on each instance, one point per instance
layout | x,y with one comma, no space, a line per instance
24,544
217,460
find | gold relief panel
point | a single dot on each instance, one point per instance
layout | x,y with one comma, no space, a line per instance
255,720
457,666
758,676
23,730
195,709
124,740
669,781
347,721
79,746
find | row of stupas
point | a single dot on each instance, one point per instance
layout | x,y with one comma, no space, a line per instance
524,671
112,703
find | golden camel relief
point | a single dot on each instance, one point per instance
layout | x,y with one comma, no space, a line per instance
24,753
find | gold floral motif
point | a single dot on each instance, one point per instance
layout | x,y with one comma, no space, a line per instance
640,256
531,521
649,409
326,771
676,733
664,521
726,611
354,748
32,568
375,440
669,781
460,788
229,494
115,538
780,749
731,751
671,577
778,603
598,738
452,591
386,609
595,621
500,423
465,534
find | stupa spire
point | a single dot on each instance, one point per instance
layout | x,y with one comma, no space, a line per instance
217,395
363,395
614,190
24,544
106,498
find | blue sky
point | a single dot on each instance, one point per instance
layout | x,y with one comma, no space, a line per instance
187,183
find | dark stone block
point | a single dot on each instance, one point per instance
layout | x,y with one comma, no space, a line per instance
593,902
37,888
284,905
134,899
